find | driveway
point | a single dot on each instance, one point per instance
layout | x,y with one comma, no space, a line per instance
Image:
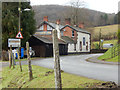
78,65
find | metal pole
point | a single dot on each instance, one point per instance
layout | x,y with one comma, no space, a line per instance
57,71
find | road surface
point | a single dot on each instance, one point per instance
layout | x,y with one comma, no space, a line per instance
78,65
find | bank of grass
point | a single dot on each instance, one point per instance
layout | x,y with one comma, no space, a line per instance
108,56
13,78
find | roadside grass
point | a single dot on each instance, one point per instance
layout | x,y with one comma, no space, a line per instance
24,59
13,78
108,56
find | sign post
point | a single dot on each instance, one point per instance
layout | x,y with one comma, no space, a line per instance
19,35
14,42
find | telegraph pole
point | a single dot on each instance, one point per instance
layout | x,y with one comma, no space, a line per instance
57,70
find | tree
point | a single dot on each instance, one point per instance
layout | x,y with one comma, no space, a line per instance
74,11
10,15
105,18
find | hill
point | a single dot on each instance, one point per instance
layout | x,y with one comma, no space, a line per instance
107,32
89,17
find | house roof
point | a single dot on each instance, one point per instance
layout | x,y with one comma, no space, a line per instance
76,29
53,25
48,39
68,39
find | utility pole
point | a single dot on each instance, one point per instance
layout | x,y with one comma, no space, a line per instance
100,39
29,62
57,70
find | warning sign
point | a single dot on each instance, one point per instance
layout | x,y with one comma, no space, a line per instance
19,35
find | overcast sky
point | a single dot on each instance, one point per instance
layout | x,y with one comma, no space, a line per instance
108,6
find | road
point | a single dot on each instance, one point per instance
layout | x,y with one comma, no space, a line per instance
78,65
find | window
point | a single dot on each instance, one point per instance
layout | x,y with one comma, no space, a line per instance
61,33
83,40
72,33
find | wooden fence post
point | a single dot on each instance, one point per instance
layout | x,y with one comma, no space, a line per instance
12,62
29,62
57,70
9,58
18,53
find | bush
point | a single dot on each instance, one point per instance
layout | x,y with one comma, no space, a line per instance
5,56
96,46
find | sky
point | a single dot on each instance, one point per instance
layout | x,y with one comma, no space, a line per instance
108,6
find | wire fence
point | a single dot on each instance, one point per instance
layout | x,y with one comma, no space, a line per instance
115,51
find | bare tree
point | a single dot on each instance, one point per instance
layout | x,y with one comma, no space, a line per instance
75,10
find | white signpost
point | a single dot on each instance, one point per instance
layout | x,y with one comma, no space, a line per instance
14,42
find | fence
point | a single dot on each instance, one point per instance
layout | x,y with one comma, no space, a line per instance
115,51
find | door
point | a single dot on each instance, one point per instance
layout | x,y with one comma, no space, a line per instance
87,46
80,46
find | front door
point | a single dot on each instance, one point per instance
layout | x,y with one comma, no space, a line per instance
80,46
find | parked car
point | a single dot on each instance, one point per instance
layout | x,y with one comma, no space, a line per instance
107,45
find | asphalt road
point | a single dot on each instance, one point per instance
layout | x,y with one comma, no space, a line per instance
78,65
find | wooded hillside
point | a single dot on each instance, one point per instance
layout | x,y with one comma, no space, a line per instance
89,17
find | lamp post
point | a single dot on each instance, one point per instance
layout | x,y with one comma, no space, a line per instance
20,11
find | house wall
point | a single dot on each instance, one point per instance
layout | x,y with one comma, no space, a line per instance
68,32
71,48
80,38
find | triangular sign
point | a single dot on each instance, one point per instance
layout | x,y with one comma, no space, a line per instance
19,35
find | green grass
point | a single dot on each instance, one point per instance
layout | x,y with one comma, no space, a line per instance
108,56
13,78
24,59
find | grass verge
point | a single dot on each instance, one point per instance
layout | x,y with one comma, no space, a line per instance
13,78
108,56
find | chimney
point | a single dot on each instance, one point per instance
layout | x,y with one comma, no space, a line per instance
45,18
68,21
45,25
58,21
81,25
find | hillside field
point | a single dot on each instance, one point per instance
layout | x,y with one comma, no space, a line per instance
107,32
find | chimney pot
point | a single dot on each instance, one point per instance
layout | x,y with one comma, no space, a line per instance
58,21
45,18
81,25
68,21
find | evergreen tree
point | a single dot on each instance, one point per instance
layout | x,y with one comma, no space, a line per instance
10,19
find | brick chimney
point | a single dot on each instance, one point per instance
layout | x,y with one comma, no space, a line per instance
68,21
58,21
45,25
45,18
81,25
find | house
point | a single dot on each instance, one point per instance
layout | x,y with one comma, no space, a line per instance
71,39
42,43
81,37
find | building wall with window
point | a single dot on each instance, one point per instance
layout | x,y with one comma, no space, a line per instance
70,33
83,42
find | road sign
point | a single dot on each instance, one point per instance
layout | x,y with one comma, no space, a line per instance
14,42
19,35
